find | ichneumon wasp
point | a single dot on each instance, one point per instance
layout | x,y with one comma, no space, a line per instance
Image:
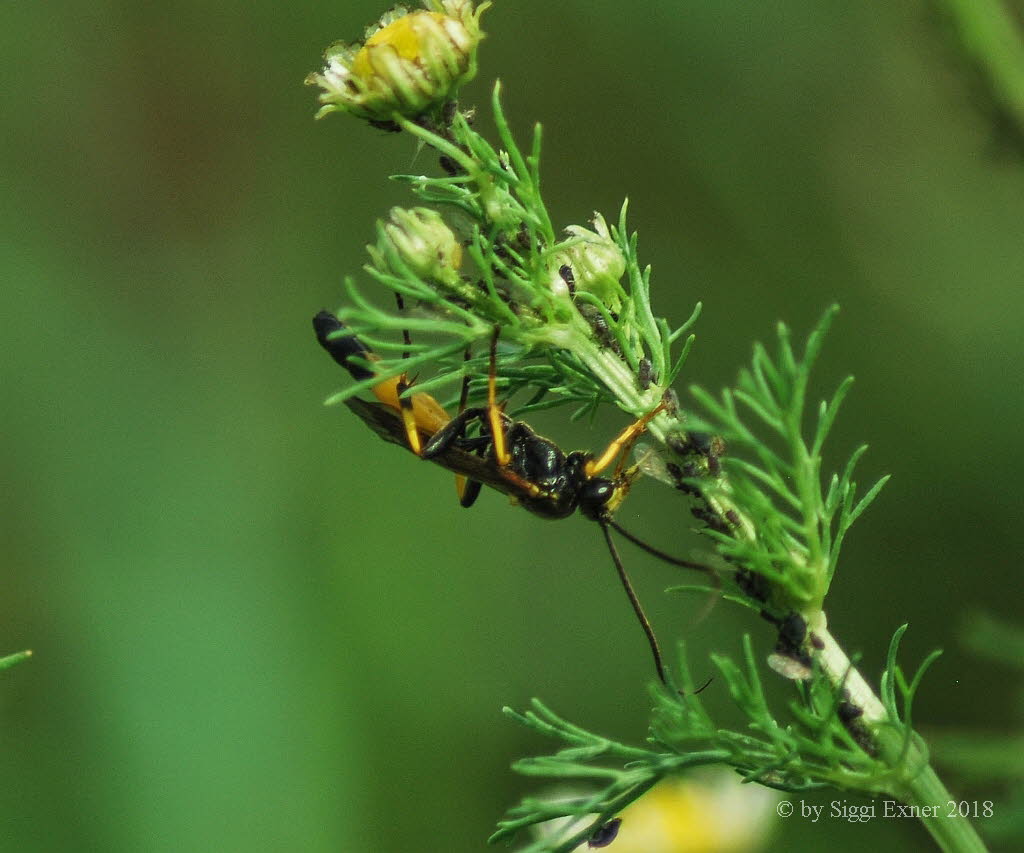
484,446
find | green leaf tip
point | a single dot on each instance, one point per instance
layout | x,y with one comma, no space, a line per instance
16,658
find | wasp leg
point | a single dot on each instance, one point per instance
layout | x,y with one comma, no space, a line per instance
498,422
412,433
494,413
469,493
406,337
493,421
452,433
468,490
622,444
404,400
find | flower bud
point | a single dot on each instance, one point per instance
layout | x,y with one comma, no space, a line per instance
410,63
425,244
595,263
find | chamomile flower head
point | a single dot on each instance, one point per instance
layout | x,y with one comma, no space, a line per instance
423,242
595,263
410,63
708,812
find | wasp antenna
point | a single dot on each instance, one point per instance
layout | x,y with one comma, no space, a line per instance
652,641
716,581
661,555
701,688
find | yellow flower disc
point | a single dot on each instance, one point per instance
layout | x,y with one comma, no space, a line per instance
403,35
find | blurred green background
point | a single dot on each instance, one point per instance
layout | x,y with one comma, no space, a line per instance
255,626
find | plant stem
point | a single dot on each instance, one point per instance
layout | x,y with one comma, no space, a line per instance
836,665
953,832
923,790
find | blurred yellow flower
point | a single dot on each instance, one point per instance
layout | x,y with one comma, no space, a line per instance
710,812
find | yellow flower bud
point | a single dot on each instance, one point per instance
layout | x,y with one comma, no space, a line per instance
410,63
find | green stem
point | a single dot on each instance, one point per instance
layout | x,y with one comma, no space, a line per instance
836,666
924,791
951,831
616,376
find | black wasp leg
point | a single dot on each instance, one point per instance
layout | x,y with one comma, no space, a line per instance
470,493
479,445
469,490
451,432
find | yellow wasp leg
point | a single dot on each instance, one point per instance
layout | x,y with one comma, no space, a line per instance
622,443
412,432
501,454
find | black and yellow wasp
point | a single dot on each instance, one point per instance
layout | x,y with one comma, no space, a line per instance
502,453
